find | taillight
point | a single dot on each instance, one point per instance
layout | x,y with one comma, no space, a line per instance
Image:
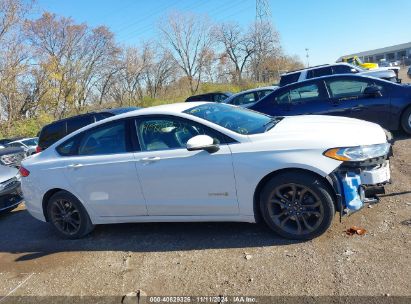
24,172
38,149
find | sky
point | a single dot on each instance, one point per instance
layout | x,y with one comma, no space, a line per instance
328,28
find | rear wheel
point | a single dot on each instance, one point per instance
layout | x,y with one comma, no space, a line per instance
406,120
68,216
297,205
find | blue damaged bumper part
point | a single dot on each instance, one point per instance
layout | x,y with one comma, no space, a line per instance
351,183
359,183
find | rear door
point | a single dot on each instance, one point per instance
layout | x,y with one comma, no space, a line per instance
303,98
347,95
101,171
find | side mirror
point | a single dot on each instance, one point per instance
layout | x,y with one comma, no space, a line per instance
372,91
202,142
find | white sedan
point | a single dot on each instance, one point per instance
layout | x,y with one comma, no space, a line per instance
207,162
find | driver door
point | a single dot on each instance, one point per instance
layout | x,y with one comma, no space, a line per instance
348,93
179,182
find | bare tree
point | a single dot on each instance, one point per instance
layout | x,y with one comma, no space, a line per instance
160,67
187,36
127,88
238,46
267,45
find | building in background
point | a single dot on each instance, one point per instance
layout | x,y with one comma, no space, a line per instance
399,52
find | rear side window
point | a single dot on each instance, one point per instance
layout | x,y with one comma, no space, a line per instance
319,72
301,94
289,78
76,123
52,133
342,69
107,139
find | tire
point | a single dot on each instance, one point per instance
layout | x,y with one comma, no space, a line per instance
406,121
305,217
68,216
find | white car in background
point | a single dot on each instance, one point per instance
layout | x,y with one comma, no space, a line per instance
28,144
207,162
335,69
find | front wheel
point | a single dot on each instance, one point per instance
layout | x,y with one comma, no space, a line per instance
297,205
68,216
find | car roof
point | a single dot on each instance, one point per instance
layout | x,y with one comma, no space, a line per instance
338,76
317,67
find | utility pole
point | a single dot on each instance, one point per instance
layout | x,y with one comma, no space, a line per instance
307,55
262,11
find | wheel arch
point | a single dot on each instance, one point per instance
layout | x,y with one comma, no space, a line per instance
50,193
265,179
401,127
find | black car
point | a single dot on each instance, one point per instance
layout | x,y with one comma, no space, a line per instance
213,97
53,132
380,101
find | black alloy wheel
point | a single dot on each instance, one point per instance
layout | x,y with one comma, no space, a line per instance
68,216
297,205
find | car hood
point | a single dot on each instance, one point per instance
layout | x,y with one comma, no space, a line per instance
318,131
7,173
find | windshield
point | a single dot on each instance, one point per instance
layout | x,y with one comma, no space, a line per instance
236,119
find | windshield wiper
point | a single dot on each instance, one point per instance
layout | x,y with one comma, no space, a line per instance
272,123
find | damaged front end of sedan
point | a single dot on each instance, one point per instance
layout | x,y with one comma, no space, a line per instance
362,175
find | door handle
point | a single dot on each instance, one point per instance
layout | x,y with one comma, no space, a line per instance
74,166
150,159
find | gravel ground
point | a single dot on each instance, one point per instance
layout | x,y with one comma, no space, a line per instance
217,258
403,75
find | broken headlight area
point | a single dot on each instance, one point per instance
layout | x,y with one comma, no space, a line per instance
359,183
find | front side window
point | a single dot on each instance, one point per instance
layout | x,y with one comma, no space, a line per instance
108,139
168,133
348,88
235,119
300,94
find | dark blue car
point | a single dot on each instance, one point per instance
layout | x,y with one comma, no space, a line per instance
367,98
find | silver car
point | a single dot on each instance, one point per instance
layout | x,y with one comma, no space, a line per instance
247,98
10,192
